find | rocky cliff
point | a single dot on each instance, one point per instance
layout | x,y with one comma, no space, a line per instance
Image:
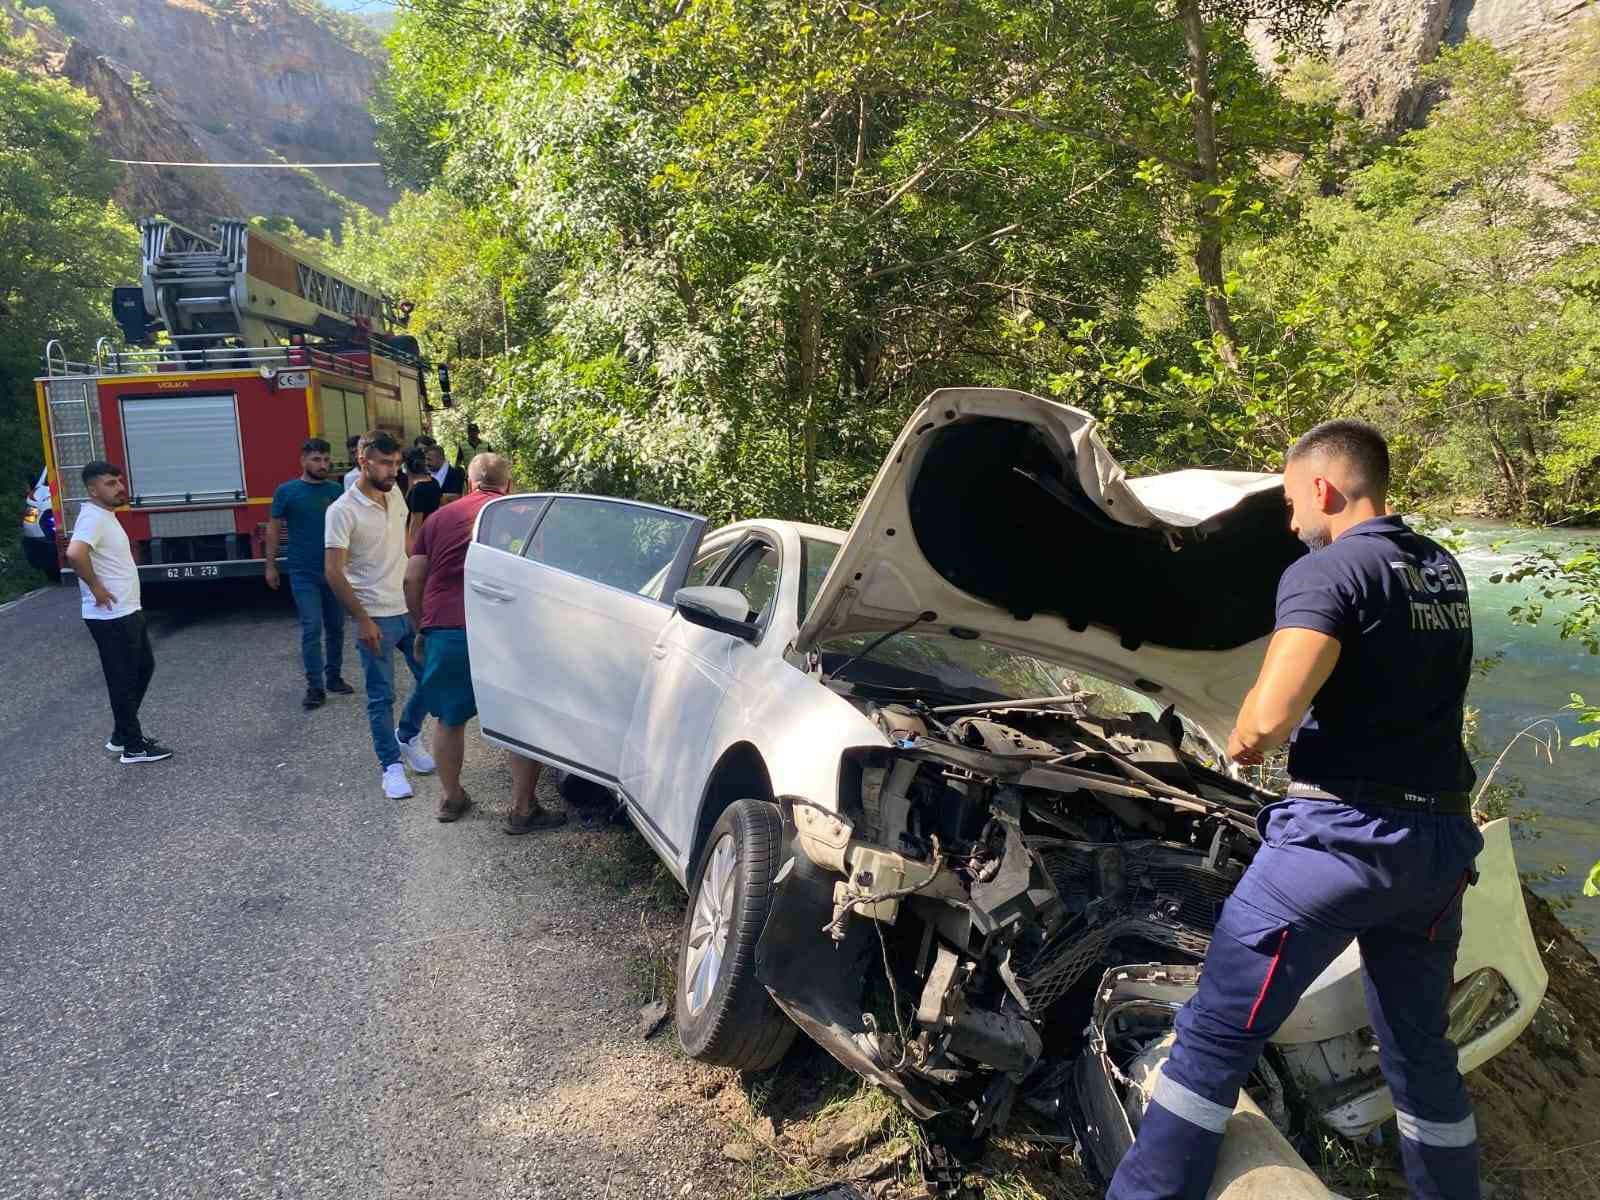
1377,48
133,123
230,81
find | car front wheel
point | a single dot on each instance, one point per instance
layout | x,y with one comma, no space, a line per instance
724,1015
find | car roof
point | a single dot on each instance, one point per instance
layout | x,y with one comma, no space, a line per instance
819,533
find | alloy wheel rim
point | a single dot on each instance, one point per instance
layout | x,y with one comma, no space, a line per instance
708,926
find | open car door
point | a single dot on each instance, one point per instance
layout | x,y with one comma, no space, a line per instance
566,595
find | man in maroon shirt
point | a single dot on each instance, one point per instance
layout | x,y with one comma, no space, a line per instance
436,600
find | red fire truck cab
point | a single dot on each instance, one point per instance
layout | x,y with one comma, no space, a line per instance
262,349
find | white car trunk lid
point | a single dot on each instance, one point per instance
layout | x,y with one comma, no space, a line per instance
1004,514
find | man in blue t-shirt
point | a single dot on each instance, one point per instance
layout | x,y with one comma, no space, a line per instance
1366,678
301,505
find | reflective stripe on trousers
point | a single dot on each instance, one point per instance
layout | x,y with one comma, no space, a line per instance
1326,874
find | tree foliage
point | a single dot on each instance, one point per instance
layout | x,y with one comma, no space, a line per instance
763,232
1445,289
65,245
770,229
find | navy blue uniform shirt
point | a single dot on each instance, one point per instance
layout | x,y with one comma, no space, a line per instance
303,506
1391,711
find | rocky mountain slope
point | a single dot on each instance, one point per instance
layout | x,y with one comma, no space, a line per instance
1377,48
229,81
135,125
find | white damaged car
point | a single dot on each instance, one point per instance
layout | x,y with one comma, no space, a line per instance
943,788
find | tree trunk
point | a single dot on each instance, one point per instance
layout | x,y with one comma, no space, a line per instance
810,323
1207,177
1502,461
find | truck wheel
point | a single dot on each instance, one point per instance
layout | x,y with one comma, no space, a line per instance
724,1015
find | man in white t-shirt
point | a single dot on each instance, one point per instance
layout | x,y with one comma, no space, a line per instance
365,538
353,476
108,582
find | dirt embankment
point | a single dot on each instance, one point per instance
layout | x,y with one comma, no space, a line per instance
1538,1104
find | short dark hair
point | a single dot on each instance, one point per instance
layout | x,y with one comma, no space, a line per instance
380,440
315,446
1360,445
99,469
352,442
423,439
416,460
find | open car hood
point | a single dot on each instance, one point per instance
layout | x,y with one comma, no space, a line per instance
1004,514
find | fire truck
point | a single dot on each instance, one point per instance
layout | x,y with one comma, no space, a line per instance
237,349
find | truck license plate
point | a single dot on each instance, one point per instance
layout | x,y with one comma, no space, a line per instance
192,572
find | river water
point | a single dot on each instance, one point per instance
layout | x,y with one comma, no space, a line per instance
1533,681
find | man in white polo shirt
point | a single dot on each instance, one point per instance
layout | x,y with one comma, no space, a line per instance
108,582
353,476
365,565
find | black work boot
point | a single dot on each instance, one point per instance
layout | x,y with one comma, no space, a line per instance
314,698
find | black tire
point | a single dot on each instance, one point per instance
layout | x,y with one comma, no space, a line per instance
737,1024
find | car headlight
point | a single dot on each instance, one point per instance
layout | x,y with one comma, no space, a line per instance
1473,999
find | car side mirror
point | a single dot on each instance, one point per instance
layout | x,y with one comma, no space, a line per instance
721,608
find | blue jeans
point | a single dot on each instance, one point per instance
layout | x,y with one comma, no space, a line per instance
321,615
379,667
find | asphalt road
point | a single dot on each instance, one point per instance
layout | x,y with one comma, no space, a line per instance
244,973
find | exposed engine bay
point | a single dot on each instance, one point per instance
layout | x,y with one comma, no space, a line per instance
943,933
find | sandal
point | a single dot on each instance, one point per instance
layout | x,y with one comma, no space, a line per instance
454,812
542,819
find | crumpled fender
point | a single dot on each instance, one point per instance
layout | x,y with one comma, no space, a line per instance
819,983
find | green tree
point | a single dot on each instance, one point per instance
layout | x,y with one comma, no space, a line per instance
65,243
1437,290
477,292
779,226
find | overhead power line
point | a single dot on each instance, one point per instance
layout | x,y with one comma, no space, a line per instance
235,166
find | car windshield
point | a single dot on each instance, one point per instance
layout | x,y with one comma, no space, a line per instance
971,669
958,667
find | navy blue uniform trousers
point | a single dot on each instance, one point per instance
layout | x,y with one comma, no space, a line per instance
1326,874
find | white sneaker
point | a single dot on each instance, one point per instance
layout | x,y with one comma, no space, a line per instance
395,784
416,755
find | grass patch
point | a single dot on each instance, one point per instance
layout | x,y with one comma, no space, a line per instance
16,576
656,977
1017,1170
1350,1167
615,859
785,1108
619,859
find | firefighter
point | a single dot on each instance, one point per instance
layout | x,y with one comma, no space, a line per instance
1374,841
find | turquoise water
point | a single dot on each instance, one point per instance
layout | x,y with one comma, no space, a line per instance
1537,675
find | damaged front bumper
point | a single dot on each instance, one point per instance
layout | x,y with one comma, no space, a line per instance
975,972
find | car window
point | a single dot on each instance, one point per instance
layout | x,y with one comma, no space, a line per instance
505,523
621,545
705,566
699,572
816,556
756,576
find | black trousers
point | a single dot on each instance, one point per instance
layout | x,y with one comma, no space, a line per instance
128,662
